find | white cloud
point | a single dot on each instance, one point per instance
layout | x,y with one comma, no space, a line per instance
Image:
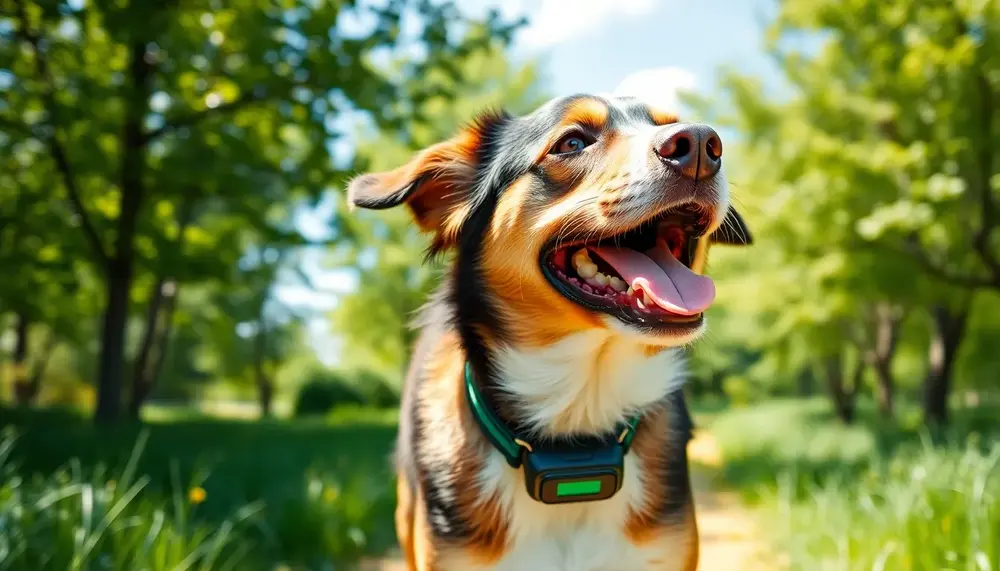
554,21
658,86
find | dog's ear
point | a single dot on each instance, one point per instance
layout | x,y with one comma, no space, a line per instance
733,231
436,184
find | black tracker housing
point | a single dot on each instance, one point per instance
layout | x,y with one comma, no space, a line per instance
574,476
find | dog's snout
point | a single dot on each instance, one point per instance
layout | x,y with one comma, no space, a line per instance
695,151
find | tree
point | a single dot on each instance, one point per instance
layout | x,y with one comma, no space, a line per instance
883,156
137,103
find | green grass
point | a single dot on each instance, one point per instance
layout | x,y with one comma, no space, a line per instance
873,496
304,494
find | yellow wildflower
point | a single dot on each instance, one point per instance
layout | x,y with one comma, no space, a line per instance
196,495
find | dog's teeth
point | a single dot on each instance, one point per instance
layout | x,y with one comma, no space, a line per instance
580,257
587,271
601,279
617,284
638,301
630,291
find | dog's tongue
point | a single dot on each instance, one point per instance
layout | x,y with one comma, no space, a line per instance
666,281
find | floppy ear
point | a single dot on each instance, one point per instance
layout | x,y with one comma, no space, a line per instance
436,185
733,231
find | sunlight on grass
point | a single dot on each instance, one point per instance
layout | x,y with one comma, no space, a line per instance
925,511
873,496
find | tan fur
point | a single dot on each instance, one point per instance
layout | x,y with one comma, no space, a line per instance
662,116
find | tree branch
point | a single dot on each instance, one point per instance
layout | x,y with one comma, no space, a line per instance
988,207
191,119
56,148
939,271
9,124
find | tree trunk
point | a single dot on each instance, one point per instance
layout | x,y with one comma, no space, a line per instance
946,339
804,383
111,362
842,395
887,325
165,337
22,390
159,320
111,365
38,369
139,390
265,387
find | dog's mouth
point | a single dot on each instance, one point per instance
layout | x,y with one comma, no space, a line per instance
642,276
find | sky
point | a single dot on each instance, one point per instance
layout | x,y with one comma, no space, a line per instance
647,48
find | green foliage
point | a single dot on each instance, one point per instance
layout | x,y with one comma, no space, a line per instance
323,392
220,495
868,178
377,391
150,141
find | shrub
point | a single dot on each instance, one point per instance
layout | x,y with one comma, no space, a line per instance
323,392
376,389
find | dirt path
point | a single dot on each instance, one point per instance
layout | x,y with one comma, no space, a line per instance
728,538
728,541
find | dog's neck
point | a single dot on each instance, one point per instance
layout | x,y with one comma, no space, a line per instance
587,383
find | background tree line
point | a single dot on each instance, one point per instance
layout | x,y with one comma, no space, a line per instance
872,183
155,156
156,160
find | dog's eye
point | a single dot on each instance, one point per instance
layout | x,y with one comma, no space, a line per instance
571,143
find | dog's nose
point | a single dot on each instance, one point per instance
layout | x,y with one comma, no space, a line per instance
693,150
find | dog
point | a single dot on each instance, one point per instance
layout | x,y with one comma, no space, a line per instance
542,425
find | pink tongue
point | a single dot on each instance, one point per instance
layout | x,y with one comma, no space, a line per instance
666,281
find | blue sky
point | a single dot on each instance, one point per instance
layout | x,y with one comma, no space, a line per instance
595,45
648,48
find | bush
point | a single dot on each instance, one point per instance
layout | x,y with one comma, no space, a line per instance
376,390
323,392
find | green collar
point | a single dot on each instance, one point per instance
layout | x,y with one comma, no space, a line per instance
506,441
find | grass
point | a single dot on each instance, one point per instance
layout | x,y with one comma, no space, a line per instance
189,492
873,496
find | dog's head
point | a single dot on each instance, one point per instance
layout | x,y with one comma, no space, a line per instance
587,213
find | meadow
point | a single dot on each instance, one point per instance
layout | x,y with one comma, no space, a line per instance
190,492
187,491
872,496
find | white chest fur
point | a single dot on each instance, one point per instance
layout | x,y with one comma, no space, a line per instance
590,381
587,382
572,537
